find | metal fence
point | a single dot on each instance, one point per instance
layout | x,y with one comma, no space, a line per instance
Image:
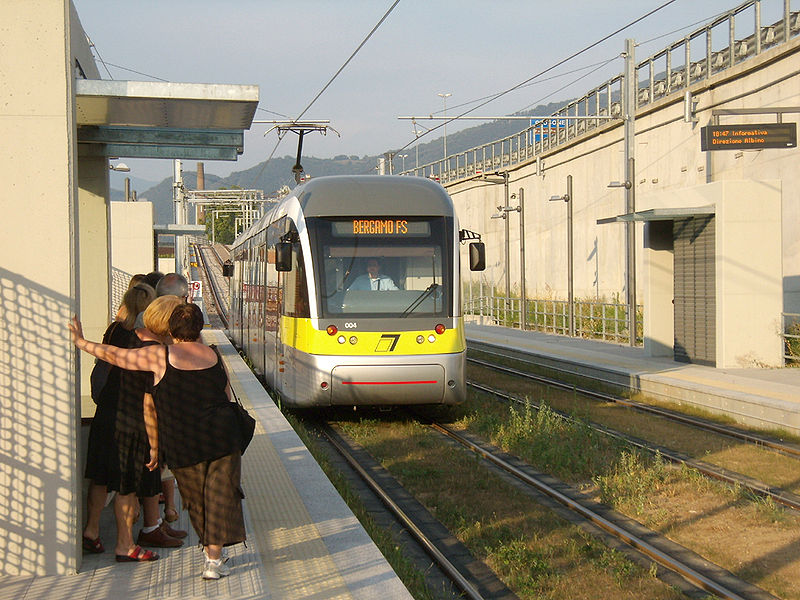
596,320
791,338
119,285
731,39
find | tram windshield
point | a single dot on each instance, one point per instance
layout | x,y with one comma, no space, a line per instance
382,267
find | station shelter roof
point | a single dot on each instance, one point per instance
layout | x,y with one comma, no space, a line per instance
152,119
660,214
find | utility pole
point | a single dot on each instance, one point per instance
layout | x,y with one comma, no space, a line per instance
522,296
180,216
629,115
506,209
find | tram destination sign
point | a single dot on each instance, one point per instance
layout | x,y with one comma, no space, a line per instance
748,137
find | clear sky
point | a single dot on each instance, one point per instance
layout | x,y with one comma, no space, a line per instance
291,48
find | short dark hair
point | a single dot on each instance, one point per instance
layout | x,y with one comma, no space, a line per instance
152,278
186,322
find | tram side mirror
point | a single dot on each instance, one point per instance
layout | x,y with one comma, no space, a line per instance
227,269
477,256
283,256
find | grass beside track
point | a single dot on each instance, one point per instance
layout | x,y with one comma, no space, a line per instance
535,552
751,537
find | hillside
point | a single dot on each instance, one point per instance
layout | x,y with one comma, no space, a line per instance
278,172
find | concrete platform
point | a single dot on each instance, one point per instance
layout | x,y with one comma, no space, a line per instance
302,540
765,398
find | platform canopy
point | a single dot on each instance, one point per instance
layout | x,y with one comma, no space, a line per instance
152,119
661,214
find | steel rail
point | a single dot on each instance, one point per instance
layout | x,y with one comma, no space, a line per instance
446,566
751,438
209,276
629,538
758,488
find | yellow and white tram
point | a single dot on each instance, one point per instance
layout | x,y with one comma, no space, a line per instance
348,293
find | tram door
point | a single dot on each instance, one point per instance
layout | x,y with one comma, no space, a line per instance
695,290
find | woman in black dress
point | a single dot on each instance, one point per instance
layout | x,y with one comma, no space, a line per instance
102,459
197,427
137,481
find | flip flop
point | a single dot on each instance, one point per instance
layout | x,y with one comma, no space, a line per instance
94,546
137,555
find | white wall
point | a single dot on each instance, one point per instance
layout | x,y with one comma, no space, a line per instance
132,236
39,279
669,162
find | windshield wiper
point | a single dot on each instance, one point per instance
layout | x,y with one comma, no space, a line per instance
413,306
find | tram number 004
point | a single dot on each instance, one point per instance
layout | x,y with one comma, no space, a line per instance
351,325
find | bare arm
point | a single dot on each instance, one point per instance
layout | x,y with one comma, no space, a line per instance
151,426
149,358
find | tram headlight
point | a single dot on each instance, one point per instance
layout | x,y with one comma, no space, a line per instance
332,330
341,339
439,329
353,340
431,338
420,339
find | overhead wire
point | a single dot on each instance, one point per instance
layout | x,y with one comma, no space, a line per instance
571,83
684,28
100,58
597,67
547,70
347,62
327,85
137,72
600,64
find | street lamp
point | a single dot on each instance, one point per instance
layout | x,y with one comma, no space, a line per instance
123,168
444,97
403,156
570,272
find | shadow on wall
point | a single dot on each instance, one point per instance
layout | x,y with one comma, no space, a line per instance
38,430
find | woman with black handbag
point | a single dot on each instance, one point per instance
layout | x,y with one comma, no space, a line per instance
198,433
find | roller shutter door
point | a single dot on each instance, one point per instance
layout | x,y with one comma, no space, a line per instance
695,290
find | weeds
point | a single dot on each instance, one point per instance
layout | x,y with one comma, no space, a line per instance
569,449
632,480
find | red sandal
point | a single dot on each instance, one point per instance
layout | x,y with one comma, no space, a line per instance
137,555
94,546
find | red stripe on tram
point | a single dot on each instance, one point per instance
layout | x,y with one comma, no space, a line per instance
386,382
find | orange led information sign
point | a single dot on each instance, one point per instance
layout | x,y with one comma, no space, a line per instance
380,226
748,137
395,227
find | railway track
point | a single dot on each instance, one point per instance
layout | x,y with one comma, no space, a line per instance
758,488
731,432
211,272
677,559
468,577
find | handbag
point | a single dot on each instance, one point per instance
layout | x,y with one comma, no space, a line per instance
246,424
101,369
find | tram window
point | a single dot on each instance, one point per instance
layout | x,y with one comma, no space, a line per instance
384,269
296,291
404,275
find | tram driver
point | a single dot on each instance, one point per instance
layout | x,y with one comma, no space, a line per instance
373,279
